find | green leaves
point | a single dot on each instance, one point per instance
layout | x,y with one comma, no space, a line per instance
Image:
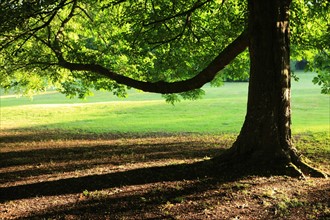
321,65
191,95
311,38
323,80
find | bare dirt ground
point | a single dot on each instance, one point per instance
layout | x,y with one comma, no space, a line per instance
52,175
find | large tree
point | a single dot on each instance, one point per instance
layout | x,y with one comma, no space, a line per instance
169,47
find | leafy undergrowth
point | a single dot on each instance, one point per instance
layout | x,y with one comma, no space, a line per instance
58,175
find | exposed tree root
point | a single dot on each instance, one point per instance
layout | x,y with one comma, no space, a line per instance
298,163
233,163
307,169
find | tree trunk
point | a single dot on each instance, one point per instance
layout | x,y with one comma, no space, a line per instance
265,138
266,131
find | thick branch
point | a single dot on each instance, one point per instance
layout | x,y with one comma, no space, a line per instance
205,76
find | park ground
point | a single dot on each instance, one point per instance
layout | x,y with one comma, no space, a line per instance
71,159
54,175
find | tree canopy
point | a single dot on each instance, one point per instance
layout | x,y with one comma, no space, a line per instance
157,46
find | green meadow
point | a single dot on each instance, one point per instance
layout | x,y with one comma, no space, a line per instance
222,110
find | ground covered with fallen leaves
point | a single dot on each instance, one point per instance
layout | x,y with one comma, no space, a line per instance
63,175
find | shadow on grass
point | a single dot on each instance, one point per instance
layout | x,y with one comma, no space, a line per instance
40,133
42,153
99,182
155,202
99,154
56,158
150,202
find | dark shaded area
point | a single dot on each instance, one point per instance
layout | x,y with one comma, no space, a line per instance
84,158
98,182
141,205
39,133
53,160
104,152
212,169
57,159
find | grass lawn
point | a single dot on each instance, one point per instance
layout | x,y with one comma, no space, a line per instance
222,110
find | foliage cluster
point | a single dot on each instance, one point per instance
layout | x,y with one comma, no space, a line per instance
311,38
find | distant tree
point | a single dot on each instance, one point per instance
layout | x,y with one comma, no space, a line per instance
174,48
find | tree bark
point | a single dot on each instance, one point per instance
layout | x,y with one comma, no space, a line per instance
265,138
266,129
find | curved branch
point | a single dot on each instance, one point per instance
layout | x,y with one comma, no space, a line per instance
205,76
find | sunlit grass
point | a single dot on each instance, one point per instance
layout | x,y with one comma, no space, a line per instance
222,110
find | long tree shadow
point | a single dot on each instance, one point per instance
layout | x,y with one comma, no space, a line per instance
99,182
149,151
142,204
38,162
207,169
197,178
38,133
152,203
32,160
